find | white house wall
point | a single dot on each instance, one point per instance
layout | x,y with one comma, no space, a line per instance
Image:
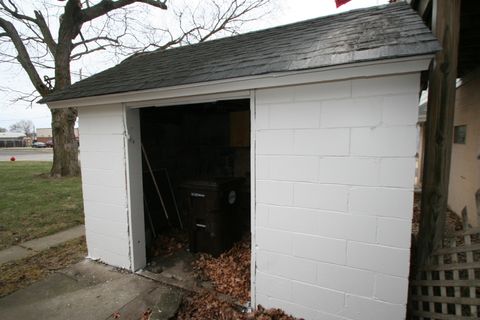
465,166
335,172
104,185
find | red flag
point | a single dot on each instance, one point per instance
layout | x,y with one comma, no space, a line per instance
341,2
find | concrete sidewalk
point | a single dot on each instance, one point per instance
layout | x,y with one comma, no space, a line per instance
91,290
34,246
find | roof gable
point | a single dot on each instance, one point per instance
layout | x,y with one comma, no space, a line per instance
375,33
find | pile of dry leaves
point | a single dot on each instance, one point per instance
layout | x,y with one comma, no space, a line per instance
206,306
229,273
453,221
166,245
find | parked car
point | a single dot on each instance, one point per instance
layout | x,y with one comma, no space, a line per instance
39,145
49,144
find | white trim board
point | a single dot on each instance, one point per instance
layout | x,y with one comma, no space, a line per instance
190,100
253,212
236,85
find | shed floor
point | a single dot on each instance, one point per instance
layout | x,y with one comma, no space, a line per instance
226,277
175,269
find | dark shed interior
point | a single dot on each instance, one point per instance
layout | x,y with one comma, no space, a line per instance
196,173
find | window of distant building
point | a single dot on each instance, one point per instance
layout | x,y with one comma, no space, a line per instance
460,134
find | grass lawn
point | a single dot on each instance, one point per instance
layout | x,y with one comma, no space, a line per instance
33,205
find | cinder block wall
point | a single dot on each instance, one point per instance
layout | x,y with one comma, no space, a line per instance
334,194
102,156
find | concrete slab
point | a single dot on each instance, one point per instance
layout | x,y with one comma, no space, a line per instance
162,301
14,253
167,307
56,285
173,270
55,239
89,290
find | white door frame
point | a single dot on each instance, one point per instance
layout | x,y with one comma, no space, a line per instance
133,158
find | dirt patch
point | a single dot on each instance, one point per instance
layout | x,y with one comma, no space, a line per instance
21,273
207,306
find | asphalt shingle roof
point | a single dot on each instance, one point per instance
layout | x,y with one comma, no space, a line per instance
375,33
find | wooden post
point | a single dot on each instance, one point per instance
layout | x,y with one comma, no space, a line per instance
477,203
439,127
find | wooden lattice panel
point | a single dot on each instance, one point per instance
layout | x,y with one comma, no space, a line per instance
448,286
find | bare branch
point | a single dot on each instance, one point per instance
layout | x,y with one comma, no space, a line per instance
96,39
175,41
106,6
7,58
77,56
39,21
14,11
47,35
23,56
233,13
30,98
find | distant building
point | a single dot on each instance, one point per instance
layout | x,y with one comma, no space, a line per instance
12,139
45,134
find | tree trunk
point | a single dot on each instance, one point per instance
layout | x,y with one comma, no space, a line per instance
65,146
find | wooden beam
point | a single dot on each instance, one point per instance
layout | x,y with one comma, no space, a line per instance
439,127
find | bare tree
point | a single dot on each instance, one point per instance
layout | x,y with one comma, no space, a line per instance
56,34
23,126
3,129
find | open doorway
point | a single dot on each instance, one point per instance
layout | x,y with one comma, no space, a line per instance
196,186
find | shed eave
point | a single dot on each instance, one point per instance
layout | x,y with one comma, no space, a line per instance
333,73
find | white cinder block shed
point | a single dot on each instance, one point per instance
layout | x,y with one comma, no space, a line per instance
333,112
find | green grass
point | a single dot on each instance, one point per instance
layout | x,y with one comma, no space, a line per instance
33,205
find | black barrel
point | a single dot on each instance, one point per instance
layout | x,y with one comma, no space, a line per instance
212,208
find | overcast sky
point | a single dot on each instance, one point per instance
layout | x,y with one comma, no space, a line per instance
287,12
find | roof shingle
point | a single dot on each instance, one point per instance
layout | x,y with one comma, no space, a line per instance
375,33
